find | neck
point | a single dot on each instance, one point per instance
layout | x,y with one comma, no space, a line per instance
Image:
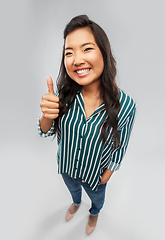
92,91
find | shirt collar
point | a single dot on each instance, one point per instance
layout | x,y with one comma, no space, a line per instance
79,97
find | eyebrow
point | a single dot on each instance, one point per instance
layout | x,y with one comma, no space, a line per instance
89,43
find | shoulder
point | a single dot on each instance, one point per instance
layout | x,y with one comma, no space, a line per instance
127,103
127,106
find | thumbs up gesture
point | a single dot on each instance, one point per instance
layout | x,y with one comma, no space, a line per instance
50,102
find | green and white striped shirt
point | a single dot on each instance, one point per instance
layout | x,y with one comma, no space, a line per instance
81,152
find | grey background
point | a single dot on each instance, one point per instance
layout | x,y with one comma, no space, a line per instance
33,198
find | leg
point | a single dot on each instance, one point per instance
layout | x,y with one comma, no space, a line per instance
97,198
74,188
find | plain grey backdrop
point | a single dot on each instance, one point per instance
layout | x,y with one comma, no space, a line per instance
33,198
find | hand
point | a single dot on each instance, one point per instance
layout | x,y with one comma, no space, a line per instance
106,176
50,102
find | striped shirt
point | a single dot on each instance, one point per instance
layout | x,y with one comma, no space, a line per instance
81,152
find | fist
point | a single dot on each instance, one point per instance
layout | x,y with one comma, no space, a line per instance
50,102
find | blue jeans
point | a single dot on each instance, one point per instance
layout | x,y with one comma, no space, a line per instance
75,187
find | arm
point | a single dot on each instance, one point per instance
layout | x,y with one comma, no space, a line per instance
49,106
117,154
125,132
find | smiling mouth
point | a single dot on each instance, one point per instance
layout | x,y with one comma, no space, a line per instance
83,71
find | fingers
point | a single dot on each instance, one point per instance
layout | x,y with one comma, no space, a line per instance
50,107
50,97
50,85
49,104
50,113
50,116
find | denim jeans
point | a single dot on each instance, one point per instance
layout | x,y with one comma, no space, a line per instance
75,187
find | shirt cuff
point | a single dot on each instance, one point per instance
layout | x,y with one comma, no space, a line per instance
113,166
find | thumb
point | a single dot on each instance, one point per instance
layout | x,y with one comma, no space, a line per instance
50,85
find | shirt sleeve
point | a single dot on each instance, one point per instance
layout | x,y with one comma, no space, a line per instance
124,133
49,133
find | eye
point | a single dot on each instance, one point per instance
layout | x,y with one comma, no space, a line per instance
68,53
87,49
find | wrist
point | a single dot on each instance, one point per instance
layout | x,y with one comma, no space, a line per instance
102,180
45,124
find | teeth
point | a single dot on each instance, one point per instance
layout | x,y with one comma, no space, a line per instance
83,71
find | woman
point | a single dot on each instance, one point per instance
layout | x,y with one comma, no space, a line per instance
91,116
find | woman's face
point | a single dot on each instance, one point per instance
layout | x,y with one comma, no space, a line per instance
83,59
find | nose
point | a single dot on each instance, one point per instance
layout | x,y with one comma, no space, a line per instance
78,59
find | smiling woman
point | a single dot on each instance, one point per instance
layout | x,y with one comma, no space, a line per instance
83,59
91,116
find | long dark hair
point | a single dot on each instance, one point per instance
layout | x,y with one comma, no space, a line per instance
68,88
